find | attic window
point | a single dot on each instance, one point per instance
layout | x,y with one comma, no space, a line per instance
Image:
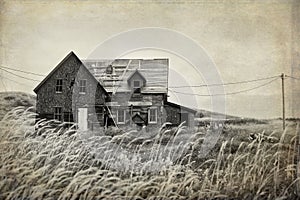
59,86
136,84
82,86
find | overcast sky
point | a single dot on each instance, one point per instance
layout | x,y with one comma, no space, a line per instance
245,41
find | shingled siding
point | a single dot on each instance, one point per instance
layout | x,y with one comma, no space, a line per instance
173,115
70,70
100,103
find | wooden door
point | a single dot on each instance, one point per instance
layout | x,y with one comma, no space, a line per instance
82,119
185,117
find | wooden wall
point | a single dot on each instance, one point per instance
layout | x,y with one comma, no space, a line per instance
70,70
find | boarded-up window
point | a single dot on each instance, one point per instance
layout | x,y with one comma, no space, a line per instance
59,85
121,115
58,113
152,115
82,86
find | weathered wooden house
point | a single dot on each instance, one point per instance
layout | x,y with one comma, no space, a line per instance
100,93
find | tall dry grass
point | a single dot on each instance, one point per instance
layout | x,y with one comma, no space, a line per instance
42,161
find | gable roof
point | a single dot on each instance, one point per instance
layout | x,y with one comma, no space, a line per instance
136,72
71,54
155,71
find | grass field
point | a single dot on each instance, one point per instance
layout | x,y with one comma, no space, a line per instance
42,161
10,100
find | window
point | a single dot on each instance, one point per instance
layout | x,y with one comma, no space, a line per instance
68,117
58,113
82,86
59,86
121,116
99,113
136,84
152,115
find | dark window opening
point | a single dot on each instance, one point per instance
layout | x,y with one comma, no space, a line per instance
58,113
68,117
137,90
99,113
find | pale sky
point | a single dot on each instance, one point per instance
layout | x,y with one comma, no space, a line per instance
245,39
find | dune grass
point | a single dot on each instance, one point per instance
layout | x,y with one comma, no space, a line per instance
42,161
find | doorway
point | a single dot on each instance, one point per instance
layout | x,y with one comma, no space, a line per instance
82,119
185,117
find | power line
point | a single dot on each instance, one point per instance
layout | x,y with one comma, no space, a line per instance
231,93
230,83
19,75
183,86
16,81
292,77
18,70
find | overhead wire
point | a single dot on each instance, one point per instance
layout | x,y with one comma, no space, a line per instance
230,83
18,70
184,86
6,69
20,75
231,93
292,77
23,84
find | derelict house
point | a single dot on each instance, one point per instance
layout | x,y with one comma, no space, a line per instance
101,93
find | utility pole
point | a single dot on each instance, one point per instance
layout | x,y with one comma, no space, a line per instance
283,101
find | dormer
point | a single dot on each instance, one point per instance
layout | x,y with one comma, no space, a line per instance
136,81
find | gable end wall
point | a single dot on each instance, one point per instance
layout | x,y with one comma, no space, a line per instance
70,70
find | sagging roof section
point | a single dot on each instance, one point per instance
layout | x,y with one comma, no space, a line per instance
155,71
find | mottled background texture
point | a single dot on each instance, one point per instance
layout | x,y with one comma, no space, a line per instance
245,39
